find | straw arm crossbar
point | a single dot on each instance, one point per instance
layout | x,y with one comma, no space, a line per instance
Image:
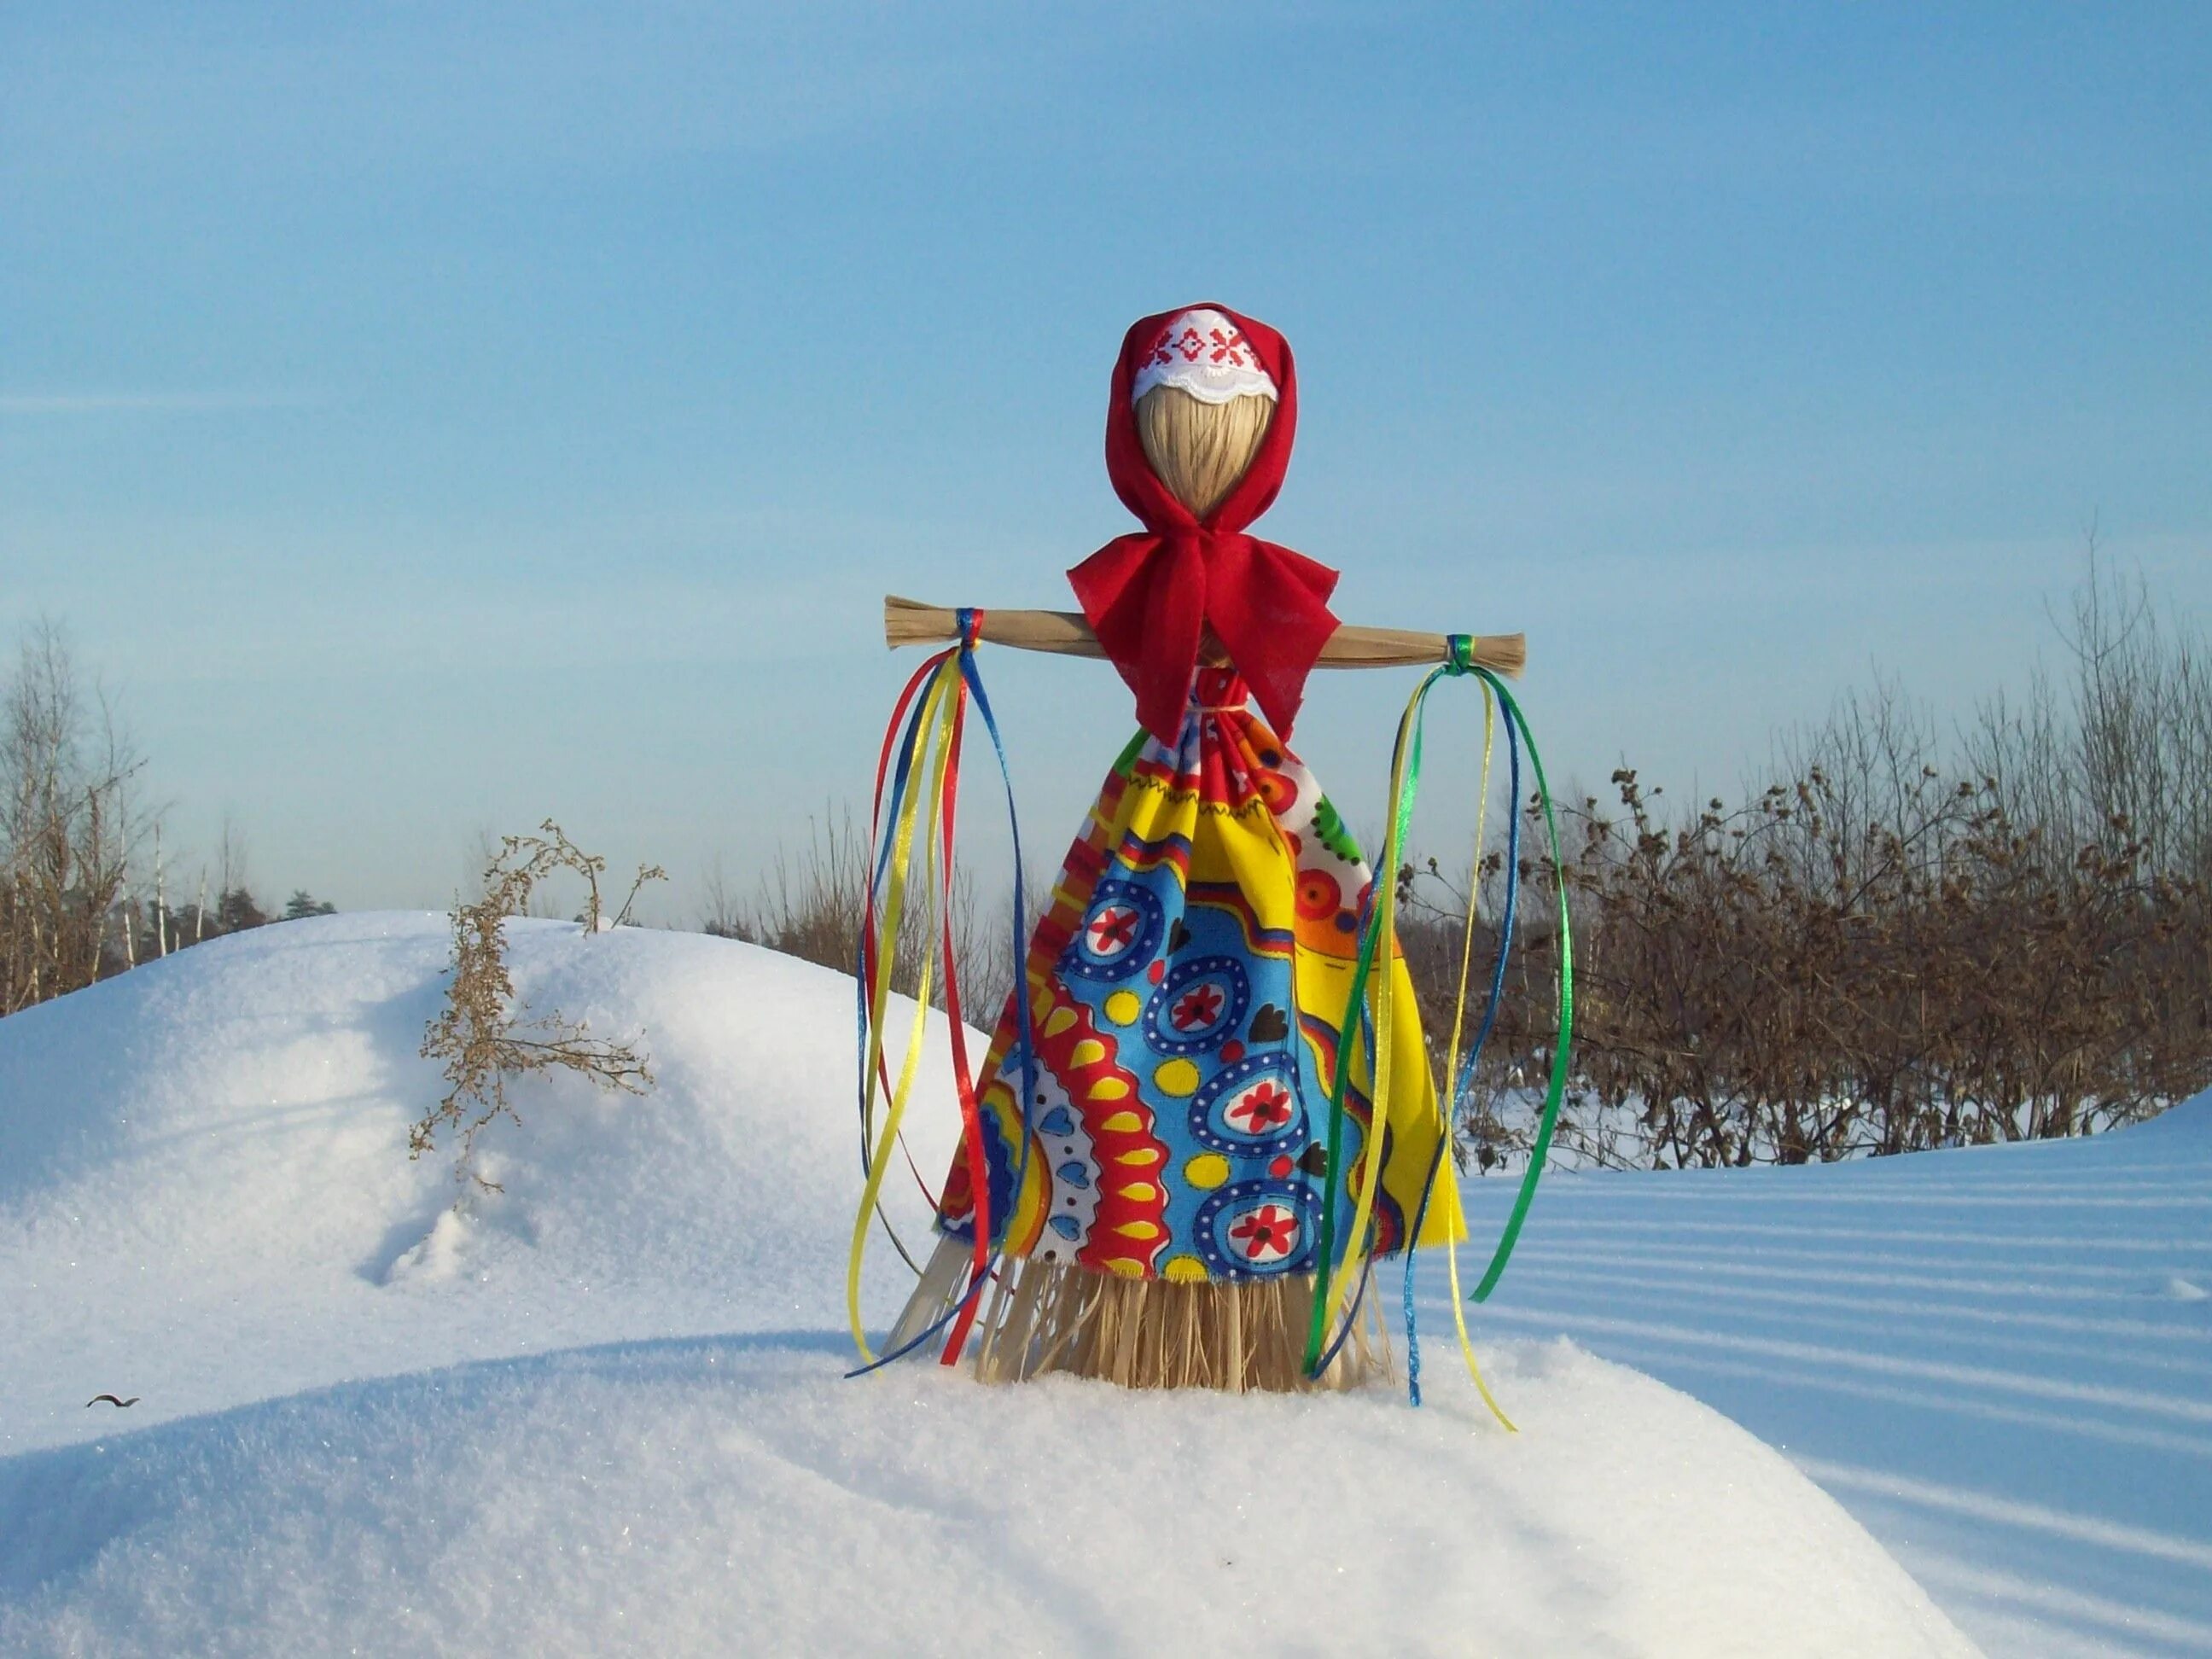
1065,633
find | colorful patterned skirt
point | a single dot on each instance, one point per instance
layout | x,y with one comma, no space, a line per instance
1159,1194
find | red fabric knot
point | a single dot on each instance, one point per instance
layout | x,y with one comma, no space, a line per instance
1150,596
1220,688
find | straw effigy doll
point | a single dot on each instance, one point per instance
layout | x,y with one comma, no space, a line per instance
1156,1198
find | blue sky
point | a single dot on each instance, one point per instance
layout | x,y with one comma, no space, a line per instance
428,417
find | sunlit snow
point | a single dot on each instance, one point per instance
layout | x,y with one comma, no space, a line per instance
604,1410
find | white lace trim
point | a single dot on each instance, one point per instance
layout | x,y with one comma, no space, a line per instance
1205,354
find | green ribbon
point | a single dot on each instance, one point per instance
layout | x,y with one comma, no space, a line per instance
1411,730
1558,1088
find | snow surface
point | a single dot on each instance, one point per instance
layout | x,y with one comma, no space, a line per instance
603,1411
1999,1359
729,1494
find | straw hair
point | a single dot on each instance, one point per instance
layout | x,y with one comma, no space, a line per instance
1200,450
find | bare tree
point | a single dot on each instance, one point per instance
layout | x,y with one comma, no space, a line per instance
2142,718
68,831
2121,753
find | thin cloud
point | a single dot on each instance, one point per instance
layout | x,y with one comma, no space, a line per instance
155,403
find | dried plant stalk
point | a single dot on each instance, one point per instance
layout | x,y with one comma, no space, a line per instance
482,1034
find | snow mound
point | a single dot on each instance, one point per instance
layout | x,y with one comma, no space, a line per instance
718,1496
205,1196
603,1410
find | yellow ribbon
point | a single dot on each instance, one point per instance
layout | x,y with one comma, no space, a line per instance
936,742
1451,1055
1344,1286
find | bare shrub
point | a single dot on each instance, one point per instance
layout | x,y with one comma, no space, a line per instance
67,828
811,903
483,1033
1888,948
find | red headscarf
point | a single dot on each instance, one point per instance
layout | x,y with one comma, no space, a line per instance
1149,596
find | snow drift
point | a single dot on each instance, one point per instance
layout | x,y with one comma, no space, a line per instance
725,1495
602,1411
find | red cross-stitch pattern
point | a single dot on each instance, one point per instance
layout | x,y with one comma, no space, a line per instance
1225,346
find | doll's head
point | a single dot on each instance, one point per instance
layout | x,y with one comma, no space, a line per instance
1200,450
1203,402
1200,418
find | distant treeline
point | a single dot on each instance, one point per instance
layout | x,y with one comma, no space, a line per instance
84,891
1904,936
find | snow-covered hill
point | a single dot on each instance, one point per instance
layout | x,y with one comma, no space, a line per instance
603,1411
205,1197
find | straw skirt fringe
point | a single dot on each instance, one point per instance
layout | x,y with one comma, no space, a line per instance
1237,1335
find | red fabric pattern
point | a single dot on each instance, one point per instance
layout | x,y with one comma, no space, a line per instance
1150,596
1213,345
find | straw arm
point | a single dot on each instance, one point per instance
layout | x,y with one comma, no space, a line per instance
1065,633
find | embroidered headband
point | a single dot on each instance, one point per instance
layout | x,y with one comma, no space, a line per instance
1205,353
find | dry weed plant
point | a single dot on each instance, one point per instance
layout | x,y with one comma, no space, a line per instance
484,1034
